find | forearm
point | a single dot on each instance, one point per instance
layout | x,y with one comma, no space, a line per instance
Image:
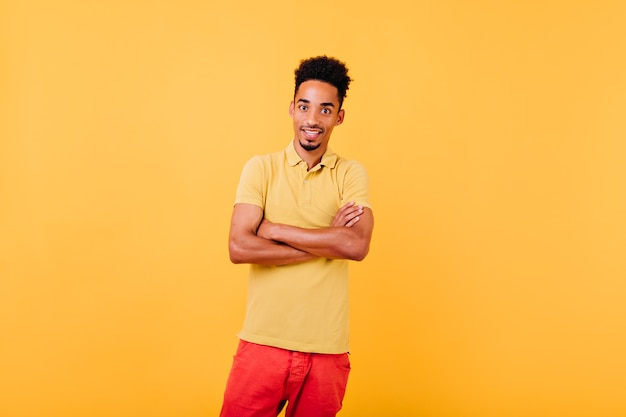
256,240
331,242
257,250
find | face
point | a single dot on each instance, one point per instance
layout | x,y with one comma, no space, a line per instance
315,112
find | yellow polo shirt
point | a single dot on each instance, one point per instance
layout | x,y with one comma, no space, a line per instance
302,307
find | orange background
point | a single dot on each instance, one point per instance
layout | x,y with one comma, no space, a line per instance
494,136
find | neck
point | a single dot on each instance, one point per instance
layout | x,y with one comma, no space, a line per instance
312,158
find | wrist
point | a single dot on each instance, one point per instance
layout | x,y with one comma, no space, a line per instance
273,232
266,230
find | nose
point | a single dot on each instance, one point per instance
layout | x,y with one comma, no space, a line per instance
311,118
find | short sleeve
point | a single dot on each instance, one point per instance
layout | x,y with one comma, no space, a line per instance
251,188
356,185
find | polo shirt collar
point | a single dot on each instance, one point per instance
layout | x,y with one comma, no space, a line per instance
329,159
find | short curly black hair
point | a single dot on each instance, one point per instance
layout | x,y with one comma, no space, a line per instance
327,69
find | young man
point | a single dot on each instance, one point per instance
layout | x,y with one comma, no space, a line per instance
300,215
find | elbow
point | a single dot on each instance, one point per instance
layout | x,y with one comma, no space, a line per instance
234,258
235,253
359,256
356,252
354,245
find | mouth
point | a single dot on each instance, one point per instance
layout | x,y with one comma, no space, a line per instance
311,133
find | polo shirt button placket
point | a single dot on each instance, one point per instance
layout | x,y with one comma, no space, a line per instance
305,192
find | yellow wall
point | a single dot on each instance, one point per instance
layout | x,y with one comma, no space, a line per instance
494,135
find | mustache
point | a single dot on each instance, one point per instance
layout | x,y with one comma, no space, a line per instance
312,127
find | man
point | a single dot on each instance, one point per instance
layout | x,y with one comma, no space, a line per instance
300,215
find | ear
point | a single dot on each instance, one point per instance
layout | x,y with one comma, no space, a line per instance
340,117
292,107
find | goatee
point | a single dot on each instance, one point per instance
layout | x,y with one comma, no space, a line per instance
309,146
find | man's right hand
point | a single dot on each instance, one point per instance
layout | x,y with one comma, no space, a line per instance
348,215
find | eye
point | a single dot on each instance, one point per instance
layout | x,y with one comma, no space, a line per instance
326,111
303,107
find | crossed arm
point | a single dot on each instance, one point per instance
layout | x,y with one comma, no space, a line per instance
256,240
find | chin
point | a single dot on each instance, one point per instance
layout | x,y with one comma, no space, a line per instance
309,146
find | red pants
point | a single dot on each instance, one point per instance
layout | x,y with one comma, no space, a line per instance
263,379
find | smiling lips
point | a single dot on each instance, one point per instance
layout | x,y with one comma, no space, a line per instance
311,133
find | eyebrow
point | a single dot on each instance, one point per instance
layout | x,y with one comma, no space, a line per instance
323,104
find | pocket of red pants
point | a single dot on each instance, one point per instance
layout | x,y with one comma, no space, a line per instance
343,361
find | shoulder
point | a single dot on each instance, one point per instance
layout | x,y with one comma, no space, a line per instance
263,162
350,167
267,159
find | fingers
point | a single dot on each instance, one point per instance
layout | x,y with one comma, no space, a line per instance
353,221
348,215
351,216
339,219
